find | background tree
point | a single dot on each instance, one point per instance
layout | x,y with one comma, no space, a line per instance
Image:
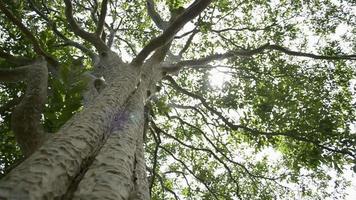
226,99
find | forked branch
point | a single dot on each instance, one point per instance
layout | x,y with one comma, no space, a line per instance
55,30
101,21
17,60
90,37
190,13
151,10
26,117
28,34
289,134
249,53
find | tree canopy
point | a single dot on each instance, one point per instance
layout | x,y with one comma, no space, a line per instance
257,102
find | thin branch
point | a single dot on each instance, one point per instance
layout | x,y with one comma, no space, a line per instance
36,44
190,171
93,10
249,53
176,197
17,60
67,41
101,21
259,50
184,34
157,140
190,13
188,43
217,149
309,55
245,28
206,150
128,44
237,127
151,10
90,37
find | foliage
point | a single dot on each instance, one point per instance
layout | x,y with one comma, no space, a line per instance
272,130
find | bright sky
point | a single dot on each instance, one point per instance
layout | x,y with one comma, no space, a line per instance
218,78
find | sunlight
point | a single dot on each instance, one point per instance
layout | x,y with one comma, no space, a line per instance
217,78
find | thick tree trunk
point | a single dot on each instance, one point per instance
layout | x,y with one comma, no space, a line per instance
98,154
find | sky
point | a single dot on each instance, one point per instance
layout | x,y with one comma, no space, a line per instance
217,79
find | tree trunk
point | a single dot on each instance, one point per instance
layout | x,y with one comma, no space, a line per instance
98,154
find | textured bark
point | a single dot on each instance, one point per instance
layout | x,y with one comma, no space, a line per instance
49,172
111,176
26,116
141,187
98,153
25,120
119,170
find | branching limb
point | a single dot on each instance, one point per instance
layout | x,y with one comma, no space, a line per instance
164,187
101,21
188,43
154,171
90,37
157,140
36,44
66,40
190,171
151,10
289,134
17,60
190,13
113,31
251,175
249,53
128,44
25,119
206,150
13,75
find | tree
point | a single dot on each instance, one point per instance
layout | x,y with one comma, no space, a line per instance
92,87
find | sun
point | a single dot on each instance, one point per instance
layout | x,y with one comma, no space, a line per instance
217,78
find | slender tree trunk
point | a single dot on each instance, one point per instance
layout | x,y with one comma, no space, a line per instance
98,154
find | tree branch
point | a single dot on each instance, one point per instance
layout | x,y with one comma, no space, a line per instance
160,23
290,134
67,41
17,60
249,53
26,117
190,13
184,164
36,44
90,37
101,21
245,28
188,43
14,75
309,55
206,150
157,140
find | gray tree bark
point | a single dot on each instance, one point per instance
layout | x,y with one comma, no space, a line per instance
98,154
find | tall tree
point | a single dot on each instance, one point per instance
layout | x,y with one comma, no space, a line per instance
176,99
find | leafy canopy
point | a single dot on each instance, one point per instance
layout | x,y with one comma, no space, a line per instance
266,125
